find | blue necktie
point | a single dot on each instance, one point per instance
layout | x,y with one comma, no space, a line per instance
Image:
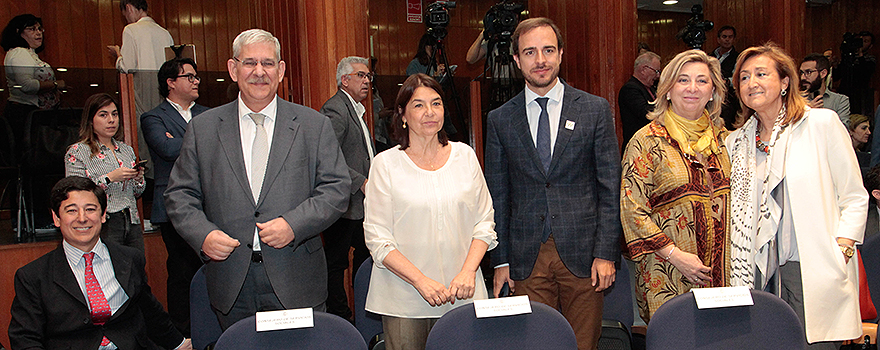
543,143
543,139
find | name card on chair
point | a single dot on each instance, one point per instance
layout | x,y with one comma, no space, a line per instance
502,306
710,298
285,319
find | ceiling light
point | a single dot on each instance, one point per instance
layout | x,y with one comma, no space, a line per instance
670,2
220,80
93,85
61,69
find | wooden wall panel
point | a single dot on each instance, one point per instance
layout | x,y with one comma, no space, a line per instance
78,30
658,30
827,24
784,29
395,41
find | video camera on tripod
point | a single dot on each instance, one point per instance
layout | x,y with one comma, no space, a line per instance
694,33
437,18
501,20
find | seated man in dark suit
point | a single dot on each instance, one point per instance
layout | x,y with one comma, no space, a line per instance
87,294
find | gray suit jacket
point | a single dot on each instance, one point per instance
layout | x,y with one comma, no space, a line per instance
306,183
582,189
350,135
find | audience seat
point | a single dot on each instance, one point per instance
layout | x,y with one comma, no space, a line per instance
367,323
871,260
544,328
204,326
768,324
330,332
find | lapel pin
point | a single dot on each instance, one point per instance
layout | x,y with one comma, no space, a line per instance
569,125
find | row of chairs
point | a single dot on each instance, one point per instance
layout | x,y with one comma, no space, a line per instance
770,323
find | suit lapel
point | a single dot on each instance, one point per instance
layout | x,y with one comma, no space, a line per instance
354,118
122,270
282,141
63,276
174,115
570,112
230,139
520,124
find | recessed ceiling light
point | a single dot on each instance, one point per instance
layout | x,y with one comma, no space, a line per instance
61,69
93,85
221,80
670,2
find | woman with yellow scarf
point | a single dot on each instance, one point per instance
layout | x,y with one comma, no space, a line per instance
675,186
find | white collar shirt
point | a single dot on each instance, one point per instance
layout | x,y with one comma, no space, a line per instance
554,111
248,130
185,113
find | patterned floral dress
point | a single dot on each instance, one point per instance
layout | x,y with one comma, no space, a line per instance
669,197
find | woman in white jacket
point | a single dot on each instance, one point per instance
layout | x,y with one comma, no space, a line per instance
798,205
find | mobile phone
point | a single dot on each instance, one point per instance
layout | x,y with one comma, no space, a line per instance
140,164
505,290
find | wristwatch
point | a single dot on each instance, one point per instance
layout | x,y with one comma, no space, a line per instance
848,251
107,180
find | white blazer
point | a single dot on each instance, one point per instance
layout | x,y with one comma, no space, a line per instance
828,200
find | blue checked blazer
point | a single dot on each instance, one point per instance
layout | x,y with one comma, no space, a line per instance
582,190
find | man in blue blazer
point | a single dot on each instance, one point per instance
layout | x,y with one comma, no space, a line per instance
256,182
556,189
66,300
163,128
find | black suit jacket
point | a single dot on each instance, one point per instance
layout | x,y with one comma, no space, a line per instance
50,312
729,63
581,191
634,103
163,150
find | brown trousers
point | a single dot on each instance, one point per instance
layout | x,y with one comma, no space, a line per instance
551,283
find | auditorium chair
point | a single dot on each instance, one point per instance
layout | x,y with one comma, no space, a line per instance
204,326
367,323
544,328
330,332
617,312
768,324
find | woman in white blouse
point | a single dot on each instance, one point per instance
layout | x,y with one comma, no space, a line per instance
31,82
428,220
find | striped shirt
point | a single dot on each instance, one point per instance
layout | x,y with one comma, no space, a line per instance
120,195
103,269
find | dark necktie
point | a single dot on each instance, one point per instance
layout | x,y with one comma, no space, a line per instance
543,139
543,143
98,303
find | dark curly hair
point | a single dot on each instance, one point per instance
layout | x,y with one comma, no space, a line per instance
11,37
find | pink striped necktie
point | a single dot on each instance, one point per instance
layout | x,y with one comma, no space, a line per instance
98,303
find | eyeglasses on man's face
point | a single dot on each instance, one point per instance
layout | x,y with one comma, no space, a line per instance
363,75
250,63
655,70
191,77
808,72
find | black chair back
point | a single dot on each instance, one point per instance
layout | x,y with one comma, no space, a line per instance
204,326
367,323
330,332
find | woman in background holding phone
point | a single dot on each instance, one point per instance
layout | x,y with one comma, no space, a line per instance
101,156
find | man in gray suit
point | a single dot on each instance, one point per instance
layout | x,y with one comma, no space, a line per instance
556,190
347,115
255,183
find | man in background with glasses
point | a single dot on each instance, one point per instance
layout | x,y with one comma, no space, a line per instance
636,95
347,113
256,181
814,69
164,127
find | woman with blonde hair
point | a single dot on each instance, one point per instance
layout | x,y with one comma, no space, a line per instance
798,200
675,186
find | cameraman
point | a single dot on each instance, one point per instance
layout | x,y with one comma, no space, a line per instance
856,71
